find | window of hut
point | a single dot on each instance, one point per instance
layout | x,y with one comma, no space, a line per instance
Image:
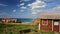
56,23
44,22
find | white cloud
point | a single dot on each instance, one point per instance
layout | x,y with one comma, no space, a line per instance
3,5
56,9
23,7
21,10
34,12
21,4
14,10
37,6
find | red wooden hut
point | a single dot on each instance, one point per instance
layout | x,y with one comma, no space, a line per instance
49,22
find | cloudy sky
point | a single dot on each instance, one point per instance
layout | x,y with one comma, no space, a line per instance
27,8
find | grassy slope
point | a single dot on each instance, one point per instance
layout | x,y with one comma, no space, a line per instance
16,28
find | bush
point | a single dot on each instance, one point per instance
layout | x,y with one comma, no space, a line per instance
19,21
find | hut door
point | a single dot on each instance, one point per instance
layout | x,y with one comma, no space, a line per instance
56,26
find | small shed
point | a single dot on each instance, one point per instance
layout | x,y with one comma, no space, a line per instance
49,23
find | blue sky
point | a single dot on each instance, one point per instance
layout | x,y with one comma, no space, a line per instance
27,8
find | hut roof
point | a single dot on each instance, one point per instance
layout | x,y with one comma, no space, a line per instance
50,16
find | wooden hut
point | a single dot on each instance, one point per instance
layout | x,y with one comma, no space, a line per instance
49,23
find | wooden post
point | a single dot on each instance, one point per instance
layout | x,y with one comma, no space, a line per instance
39,26
52,24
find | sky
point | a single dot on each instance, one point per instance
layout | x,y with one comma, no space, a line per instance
27,8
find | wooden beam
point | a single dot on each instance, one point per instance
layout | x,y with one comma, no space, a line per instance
52,24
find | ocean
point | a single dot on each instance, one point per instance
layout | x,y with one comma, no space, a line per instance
25,20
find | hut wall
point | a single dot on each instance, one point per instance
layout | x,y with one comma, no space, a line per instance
46,25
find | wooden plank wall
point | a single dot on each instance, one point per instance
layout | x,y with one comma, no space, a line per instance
46,28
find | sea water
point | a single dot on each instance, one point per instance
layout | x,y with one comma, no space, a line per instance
25,20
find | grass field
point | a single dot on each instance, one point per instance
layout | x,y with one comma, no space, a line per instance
15,28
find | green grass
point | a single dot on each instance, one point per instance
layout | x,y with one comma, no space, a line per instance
16,28
2,27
